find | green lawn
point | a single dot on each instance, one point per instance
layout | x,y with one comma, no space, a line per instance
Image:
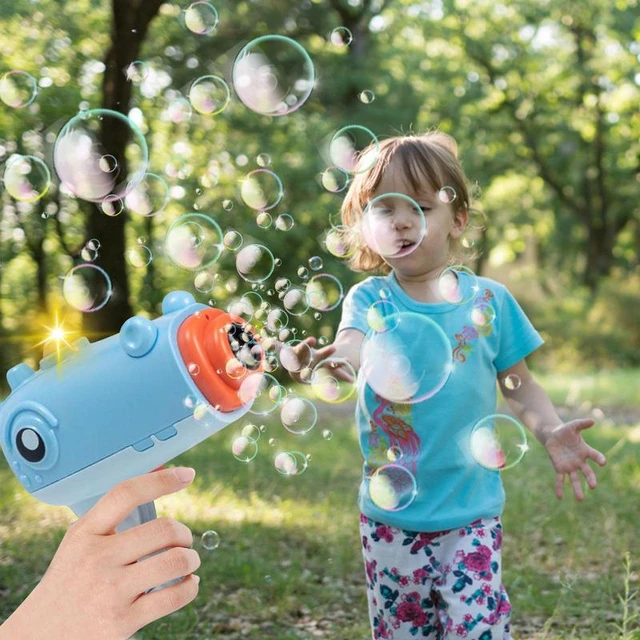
289,566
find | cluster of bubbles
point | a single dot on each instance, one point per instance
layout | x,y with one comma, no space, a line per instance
272,76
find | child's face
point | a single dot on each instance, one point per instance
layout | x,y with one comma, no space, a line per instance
405,224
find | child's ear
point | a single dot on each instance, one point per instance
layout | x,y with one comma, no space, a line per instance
460,220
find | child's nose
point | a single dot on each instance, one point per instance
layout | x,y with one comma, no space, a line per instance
403,218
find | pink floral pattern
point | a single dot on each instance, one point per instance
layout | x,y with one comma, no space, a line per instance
437,585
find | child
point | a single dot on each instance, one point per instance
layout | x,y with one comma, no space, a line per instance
433,562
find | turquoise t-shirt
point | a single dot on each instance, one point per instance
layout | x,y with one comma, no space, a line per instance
432,438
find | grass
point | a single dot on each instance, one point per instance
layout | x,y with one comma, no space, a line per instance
289,566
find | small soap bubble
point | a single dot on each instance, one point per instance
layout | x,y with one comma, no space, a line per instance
193,369
264,220
327,434
512,382
367,96
316,263
284,222
341,37
244,448
210,540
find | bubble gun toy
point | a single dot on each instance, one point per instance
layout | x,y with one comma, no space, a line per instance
115,408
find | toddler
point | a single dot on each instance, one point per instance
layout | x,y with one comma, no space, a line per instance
430,512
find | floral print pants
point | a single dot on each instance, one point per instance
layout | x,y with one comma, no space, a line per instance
438,585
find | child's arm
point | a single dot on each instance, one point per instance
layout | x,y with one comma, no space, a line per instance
564,443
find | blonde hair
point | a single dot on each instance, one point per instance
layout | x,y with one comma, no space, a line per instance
431,158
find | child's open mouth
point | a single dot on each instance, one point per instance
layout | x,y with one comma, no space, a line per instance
405,247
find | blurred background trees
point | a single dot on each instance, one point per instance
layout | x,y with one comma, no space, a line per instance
541,95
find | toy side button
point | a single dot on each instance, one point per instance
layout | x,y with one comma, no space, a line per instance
143,445
19,374
167,433
138,336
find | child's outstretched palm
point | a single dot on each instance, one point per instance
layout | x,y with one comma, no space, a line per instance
569,453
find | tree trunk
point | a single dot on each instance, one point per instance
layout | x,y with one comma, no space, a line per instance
130,23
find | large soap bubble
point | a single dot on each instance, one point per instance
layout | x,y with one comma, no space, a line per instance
408,363
273,75
88,158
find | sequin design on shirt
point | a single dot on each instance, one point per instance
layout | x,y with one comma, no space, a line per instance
470,333
390,431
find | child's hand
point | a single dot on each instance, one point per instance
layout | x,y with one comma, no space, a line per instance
94,588
308,357
569,452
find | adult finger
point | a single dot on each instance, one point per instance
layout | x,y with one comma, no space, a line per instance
160,568
122,499
157,604
140,541
577,487
559,483
589,475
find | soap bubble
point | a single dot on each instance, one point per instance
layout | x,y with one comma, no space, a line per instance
341,37
367,96
453,288
498,442
512,382
263,159
26,178
255,263
393,362
327,386
263,390
347,146
298,415
284,222
381,231
334,179
149,197
483,315
201,18
290,463
251,431
137,71
204,282
324,292
210,540
273,75
295,355
244,448
209,95
341,241
232,239
18,89
296,302
316,263
194,241
179,110
87,288
86,160
139,256
392,487
383,315
261,189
